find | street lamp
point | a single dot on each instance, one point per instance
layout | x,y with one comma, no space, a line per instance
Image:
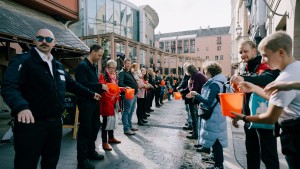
238,29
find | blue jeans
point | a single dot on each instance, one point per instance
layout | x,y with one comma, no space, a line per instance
189,119
129,107
199,128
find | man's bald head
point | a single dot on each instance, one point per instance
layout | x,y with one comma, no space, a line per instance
44,41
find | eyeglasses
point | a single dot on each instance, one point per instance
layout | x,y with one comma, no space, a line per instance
112,67
41,39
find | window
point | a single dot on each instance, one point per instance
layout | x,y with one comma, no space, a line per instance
167,46
179,44
218,48
179,50
216,57
206,49
173,44
221,57
186,46
161,45
173,50
192,45
219,40
207,57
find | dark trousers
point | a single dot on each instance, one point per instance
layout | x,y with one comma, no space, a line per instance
42,138
218,153
157,95
290,143
140,110
147,100
104,132
89,117
194,116
261,144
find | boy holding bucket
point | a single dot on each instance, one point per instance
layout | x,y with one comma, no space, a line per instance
276,50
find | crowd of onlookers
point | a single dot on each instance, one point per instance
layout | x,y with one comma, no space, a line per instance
35,83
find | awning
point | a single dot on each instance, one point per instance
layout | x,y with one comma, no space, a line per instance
20,24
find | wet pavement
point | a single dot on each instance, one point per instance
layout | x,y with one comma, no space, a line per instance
161,144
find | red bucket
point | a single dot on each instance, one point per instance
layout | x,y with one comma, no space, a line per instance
113,90
177,95
231,102
129,94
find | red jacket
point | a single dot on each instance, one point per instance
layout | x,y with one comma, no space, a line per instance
107,103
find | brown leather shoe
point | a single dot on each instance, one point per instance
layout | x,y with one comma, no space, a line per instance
134,129
113,140
106,147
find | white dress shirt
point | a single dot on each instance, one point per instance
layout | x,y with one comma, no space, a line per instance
47,59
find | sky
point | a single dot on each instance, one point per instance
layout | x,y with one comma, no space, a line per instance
182,15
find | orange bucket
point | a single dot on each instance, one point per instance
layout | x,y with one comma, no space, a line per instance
113,89
129,94
177,95
162,83
231,102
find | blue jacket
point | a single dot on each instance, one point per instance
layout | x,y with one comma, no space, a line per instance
28,84
215,127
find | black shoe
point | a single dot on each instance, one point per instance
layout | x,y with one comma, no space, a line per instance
187,128
208,159
85,164
145,118
203,150
96,156
157,105
191,132
198,146
144,121
147,115
151,110
192,137
140,123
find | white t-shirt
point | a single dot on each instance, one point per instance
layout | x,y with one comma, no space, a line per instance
290,100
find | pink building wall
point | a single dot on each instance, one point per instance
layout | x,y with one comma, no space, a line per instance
207,46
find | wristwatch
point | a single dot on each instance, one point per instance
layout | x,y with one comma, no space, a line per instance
244,119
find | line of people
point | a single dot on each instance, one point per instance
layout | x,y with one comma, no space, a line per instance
262,81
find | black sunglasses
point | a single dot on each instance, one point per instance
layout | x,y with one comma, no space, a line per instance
41,39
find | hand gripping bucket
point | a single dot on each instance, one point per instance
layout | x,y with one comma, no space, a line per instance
231,102
113,90
177,95
129,94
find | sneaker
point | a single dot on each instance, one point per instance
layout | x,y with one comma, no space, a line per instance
113,140
129,132
134,129
85,164
96,156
